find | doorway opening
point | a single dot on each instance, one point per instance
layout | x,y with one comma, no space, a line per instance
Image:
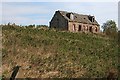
90,29
79,29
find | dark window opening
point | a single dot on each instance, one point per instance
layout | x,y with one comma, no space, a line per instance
91,18
68,15
79,29
90,29
96,29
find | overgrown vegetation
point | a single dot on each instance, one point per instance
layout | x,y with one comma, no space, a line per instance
44,52
110,28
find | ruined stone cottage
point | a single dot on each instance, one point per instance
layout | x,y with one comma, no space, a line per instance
74,22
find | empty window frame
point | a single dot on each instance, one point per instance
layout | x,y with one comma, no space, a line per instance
90,28
79,28
96,29
84,27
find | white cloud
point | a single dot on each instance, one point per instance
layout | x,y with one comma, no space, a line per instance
103,11
24,13
9,9
24,20
13,19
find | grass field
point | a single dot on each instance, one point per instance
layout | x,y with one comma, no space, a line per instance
44,53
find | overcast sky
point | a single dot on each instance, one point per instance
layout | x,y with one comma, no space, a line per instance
119,16
59,0
24,13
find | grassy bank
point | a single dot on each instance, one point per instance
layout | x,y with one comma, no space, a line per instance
47,53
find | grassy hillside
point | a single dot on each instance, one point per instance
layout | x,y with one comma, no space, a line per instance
47,53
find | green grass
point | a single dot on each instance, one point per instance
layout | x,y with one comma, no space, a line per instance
70,54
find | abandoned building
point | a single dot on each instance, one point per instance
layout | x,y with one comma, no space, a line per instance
74,22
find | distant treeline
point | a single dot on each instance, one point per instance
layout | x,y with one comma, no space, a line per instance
26,26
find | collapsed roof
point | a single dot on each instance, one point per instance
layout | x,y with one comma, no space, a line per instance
87,19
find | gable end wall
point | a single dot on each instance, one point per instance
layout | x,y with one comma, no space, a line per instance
59,22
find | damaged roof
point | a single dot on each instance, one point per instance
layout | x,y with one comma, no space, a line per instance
79,18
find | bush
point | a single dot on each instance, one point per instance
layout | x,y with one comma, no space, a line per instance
110,28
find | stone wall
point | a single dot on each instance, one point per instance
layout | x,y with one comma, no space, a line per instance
59,22
81,27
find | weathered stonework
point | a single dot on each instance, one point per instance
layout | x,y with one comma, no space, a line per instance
74,22
59,22
76,27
